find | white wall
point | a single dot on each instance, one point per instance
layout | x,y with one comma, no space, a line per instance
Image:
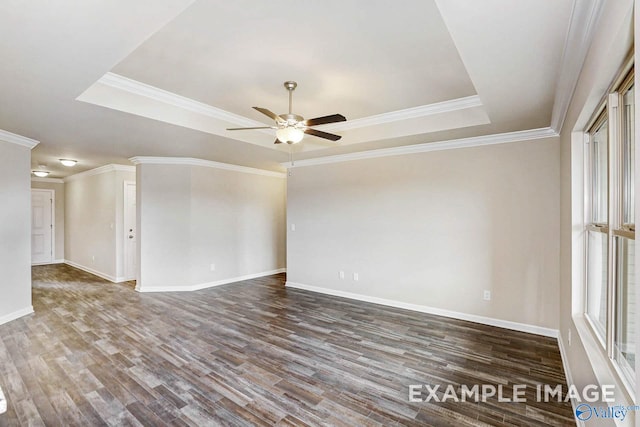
193,216
434,229
164,226
58,250
611,44
15,232
94,222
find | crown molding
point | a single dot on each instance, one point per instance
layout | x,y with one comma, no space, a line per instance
406,114
100,170
135,87
14,138
138,160
49,180
583,23
475,141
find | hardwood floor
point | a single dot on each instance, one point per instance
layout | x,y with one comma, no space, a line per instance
255,353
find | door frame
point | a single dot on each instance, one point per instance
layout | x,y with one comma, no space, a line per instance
126,231
52,194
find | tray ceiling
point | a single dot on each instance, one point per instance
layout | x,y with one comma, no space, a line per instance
103,82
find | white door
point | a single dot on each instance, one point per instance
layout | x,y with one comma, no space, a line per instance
130,230
41,226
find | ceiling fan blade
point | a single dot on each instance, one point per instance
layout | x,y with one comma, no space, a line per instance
326,119
321,134
277,141
259,127
268,113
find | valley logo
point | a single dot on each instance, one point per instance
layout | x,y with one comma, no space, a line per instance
585,412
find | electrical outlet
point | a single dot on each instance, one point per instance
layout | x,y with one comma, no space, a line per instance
487,295
293,227
341,274
356,277
93,259
213,267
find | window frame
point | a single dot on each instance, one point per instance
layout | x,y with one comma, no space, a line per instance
624,181
598,119
620,178
595,125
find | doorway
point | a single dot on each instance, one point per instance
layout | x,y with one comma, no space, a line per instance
130,235
42,225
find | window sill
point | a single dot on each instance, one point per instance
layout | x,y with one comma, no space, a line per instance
603,367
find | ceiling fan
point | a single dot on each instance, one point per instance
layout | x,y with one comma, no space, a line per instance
290,128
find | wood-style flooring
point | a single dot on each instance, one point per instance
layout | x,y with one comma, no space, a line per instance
255,353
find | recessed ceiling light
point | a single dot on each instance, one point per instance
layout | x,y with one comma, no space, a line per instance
68,162
40,174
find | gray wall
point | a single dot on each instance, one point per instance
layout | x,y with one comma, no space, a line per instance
15,231
94,222
58,251
193,216
434,229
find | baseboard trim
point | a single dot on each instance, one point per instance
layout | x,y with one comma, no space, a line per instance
522,327
206,285
568,376
55,261
16,314
95,272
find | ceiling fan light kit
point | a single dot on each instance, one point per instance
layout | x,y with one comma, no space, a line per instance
290,128
290,135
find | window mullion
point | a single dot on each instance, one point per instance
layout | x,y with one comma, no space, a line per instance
613,214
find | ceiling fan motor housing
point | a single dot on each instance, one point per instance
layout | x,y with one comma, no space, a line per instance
291,119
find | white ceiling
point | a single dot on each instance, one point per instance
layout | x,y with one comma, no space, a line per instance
367,57
403,75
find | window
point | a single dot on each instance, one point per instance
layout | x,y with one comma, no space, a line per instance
597,230
599,140
597,276
610,228
624,342
628,154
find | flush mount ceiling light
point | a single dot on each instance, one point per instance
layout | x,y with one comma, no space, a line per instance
68,162
40,174
290,128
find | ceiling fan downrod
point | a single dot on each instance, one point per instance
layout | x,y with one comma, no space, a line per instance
291,120
290,86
